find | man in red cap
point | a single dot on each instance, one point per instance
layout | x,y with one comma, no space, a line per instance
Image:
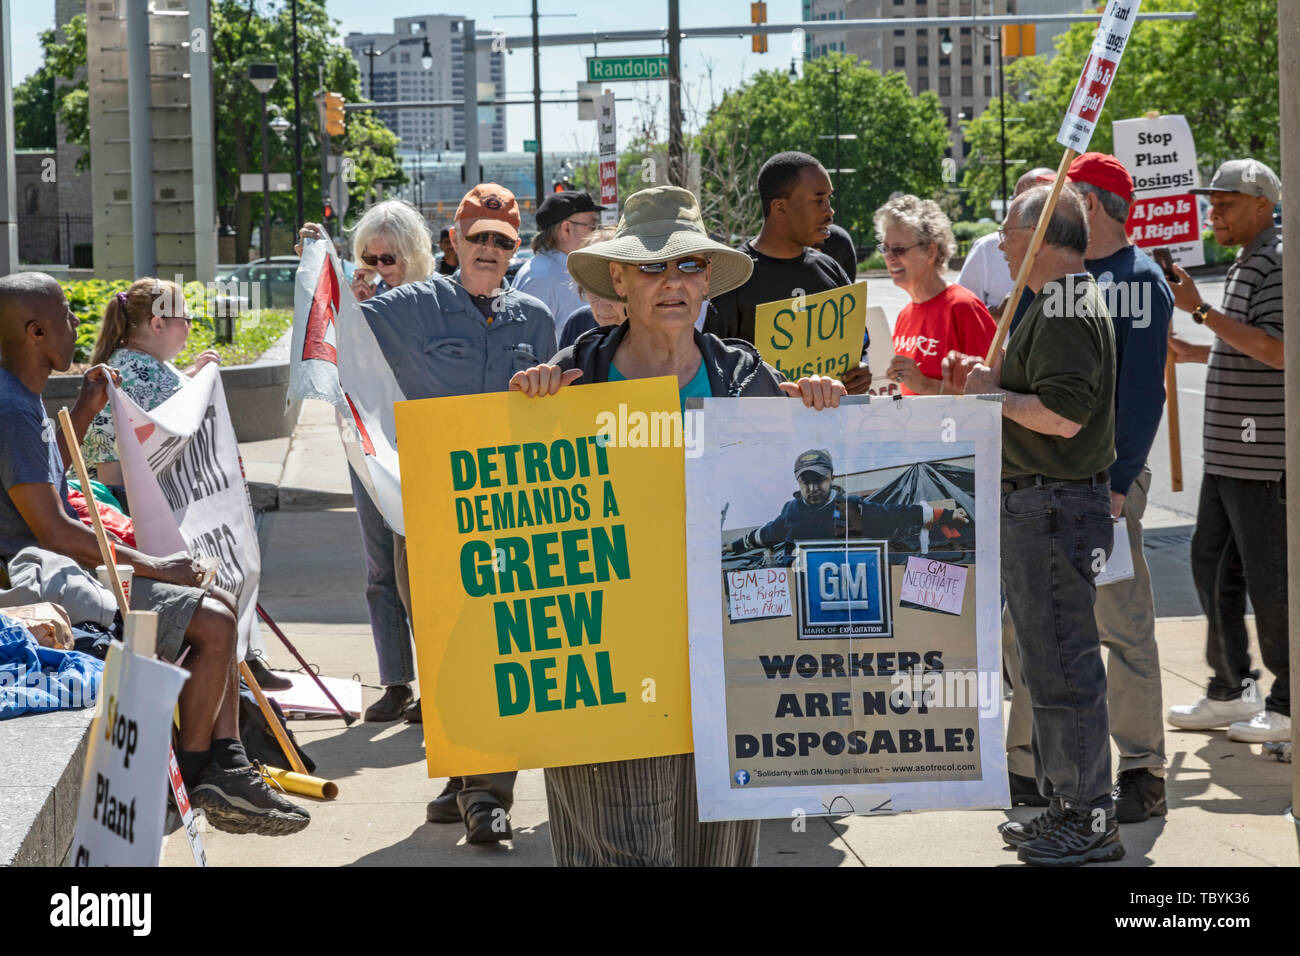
1140,306
461,335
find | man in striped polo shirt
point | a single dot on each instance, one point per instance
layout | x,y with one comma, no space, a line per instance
1241,509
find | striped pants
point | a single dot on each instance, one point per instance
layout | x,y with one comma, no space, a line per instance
639,813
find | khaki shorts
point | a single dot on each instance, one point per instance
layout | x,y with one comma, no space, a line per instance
175,606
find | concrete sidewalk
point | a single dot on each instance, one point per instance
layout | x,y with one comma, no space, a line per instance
1226,799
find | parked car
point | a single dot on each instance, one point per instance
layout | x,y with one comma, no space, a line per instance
275,276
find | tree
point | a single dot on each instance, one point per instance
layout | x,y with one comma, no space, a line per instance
899,147
40,98
1219,70
242,36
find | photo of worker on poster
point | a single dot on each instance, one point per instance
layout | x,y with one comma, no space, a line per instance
844,607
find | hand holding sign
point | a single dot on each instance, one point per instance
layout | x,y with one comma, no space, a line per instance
543,380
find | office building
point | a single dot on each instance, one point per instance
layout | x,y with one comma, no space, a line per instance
393,60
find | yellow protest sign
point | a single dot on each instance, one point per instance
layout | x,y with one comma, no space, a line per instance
817,334
546,544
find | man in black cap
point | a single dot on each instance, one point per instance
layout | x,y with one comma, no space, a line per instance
564,220
820,510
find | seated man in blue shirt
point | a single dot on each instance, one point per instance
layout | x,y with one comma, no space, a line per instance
38,335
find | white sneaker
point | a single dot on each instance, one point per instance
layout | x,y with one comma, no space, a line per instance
1208,714
1263,728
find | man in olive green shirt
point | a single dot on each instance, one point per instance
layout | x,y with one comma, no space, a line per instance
1057,383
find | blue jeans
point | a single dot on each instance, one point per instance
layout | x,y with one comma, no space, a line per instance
1239,547
388,622
1055,538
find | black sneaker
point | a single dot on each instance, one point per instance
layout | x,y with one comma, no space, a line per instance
487,823
240,801
1024,791
1139,794
444,808
1018,834
1076,837
390,706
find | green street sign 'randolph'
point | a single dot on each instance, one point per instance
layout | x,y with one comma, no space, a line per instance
604,69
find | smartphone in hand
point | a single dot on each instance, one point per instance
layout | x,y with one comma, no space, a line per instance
1165,259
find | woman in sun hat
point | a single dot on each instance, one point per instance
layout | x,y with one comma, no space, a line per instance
662,265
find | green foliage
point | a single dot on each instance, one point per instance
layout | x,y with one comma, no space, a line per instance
243,35
1215,253
41,97
899,147
1219,70
254,333
874,262
970,231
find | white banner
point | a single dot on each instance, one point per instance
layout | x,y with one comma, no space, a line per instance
1098,74
123,803
607,137
845,619
335,358
185,481
1160,155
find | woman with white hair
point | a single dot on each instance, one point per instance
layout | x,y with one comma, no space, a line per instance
917,242
393,247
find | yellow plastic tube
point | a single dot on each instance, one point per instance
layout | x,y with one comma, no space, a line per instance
302,783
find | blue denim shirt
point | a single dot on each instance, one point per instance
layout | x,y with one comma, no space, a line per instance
438,343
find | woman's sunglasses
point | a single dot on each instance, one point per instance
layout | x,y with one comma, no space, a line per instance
387,259
498,240
691,266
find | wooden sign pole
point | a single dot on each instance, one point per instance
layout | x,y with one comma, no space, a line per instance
1036,243
1171,413
105,549
290,752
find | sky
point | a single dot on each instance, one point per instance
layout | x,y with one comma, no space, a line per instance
561,67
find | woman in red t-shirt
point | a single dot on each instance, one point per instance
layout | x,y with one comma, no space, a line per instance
917,244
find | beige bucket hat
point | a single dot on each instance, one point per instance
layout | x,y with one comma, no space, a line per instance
659,224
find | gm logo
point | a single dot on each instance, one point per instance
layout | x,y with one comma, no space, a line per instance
844,589
741,777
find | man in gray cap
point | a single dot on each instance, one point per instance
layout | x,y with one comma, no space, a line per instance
564,221
1241,509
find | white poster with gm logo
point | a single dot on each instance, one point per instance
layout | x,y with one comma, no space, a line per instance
845,614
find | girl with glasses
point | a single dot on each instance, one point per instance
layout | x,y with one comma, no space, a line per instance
143,330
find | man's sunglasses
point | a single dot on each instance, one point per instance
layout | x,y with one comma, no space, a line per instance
691,266
498,240
387,259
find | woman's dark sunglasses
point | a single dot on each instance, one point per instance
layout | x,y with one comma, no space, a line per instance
498,240
387,259
691,266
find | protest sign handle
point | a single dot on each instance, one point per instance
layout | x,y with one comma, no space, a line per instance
295,762
1035,244
1171,411
105,549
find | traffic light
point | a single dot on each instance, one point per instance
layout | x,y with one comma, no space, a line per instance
1018,39
327,215
562,185
757,15
334,122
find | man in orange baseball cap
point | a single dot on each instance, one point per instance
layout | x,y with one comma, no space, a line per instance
490,333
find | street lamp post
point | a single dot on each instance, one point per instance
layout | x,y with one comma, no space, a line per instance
839,173
426,58
945,47
263,76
